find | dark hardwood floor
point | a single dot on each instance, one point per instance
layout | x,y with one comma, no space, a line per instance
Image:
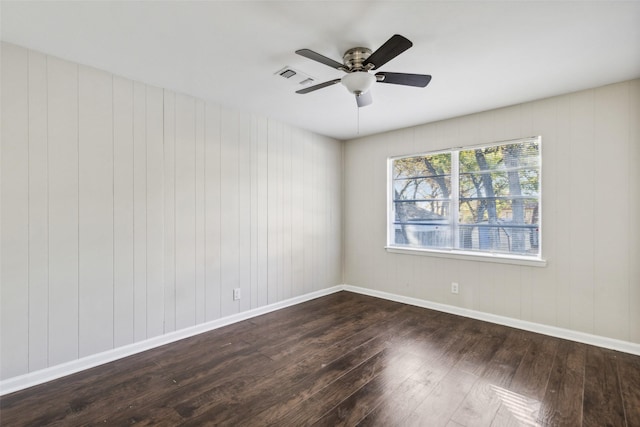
347,359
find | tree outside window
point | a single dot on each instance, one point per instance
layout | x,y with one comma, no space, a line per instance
475,199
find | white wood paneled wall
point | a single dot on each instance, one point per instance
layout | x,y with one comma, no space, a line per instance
129,211
590,206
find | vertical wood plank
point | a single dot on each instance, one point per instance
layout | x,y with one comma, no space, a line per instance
169,211
277,230
95,153
629,374
307,215
508,291
316,220
443,401
287,179
262,211
321,212
544,302
63,210
602,400
581,260
155,211
200,309
492,390
38,213
272,212
123,319
611,290
140,211
562,402
15,212
212,208
485,281
561,207
185,206
378,235
404,273
532,375
297,197
337,220
253,184
354,270
634,206
244,206
229,211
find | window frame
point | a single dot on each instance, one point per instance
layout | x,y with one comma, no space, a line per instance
458,253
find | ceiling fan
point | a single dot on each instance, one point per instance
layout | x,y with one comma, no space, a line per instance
358,61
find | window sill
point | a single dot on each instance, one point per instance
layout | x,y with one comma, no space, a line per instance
469,256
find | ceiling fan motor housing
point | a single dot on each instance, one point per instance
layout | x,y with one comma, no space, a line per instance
357,80
354,58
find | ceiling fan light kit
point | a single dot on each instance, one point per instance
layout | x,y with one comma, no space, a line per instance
358,82
358,61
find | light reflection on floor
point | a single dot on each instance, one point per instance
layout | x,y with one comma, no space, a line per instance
522,408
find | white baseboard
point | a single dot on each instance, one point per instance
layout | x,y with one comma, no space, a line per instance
568,334
21,382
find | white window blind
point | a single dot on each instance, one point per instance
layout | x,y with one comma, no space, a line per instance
483,199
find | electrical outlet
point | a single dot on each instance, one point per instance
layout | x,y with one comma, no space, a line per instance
236,294
454,287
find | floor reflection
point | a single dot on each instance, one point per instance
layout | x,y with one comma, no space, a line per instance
522,408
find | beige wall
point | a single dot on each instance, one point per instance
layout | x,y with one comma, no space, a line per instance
129,211
590,214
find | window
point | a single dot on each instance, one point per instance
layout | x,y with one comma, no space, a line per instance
473,200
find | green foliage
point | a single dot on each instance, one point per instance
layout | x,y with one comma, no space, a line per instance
497,198
424,178
485,180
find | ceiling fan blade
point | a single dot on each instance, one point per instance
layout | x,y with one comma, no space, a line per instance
315,56
417,80
318,86
389,50
364,99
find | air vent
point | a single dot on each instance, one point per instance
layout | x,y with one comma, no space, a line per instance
288,73
297,78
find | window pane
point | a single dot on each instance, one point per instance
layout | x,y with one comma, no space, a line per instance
421,194
422,166
422,224
474,184
422,188
521,240
426,212
480,229
501,157
499,189
475,211
496,199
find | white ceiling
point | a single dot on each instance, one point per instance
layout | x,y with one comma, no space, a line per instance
481,54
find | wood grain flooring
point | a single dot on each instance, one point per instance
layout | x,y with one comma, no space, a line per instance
347,360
